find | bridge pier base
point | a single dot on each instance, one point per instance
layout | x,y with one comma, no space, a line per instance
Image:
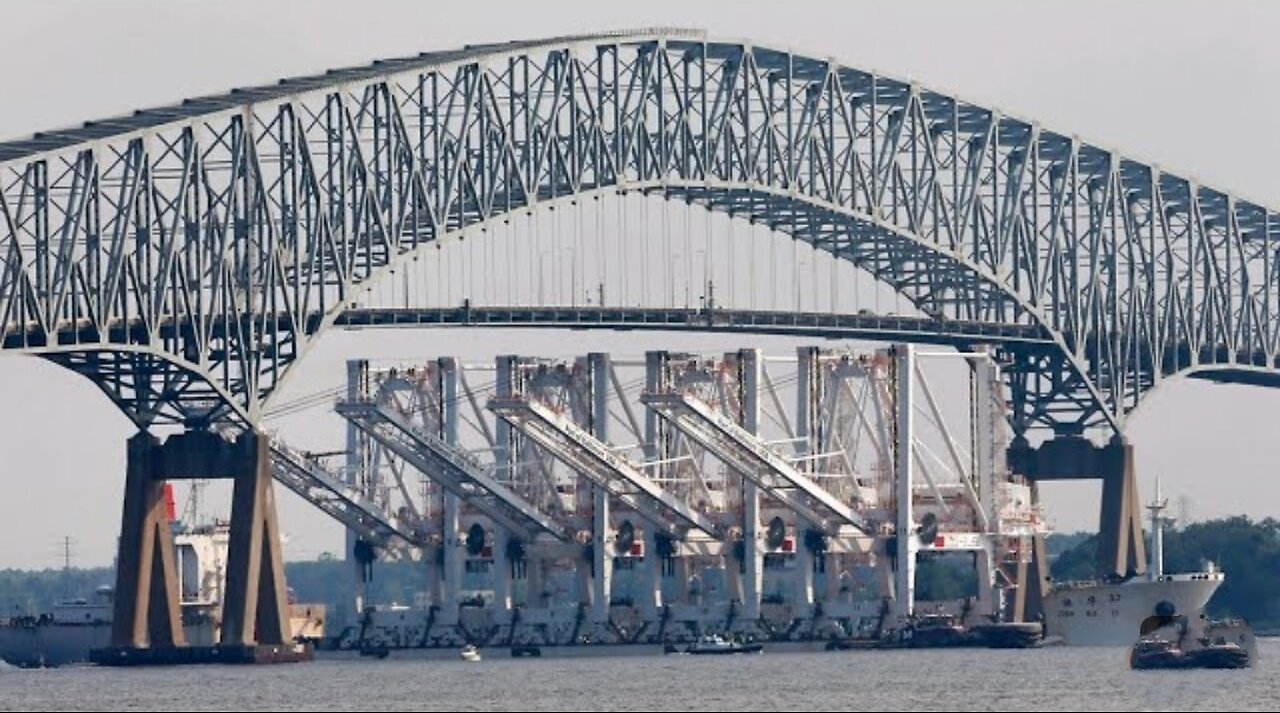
255,607
1121,550
147,606
1033,583
147,614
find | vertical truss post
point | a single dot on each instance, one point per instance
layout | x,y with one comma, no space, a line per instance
357,377
505,463
599,366
987,413
907,544
752,552
451,528
809,443
655,364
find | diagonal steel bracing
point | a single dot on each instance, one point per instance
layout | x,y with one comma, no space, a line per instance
454,469
217,237
330,492
593,459
755,461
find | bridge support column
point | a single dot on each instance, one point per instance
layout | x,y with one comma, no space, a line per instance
650,598
1033,581
904,467
434,559
534,582
681,574
752,553
804,576
255,607
451,563
1121,550
147,607
601,534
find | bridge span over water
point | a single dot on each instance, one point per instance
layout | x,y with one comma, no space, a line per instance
184,257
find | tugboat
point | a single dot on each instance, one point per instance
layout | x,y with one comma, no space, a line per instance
470,653
1010,635
716,644
933,631
1154,653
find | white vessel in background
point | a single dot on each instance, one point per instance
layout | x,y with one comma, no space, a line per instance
715,644
1095,613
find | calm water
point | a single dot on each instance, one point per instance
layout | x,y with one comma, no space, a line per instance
1048,679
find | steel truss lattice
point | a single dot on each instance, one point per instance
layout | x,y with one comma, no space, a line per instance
183,257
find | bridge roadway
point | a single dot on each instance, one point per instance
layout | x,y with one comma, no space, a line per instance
860,325
1251,369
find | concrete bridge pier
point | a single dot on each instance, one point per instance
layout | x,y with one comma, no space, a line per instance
147,622
255,606
1033,582
147,603
1121,550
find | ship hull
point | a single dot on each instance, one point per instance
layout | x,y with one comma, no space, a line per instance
51,646
1098,614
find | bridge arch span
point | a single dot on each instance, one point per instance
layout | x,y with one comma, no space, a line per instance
224,233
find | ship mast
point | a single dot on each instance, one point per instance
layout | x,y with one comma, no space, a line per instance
1157,507
66,566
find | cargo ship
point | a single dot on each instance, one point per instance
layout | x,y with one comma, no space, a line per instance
1099,613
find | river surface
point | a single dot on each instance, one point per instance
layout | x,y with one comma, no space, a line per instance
1057,678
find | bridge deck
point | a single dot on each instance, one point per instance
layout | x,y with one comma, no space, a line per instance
863,324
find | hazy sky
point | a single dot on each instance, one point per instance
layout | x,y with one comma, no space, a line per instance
1184,85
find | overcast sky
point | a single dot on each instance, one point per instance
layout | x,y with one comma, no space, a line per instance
1186,85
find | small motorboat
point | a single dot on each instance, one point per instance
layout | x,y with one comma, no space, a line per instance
1154,653
470,653
716,644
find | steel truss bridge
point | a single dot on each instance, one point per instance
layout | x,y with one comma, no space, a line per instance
184,257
